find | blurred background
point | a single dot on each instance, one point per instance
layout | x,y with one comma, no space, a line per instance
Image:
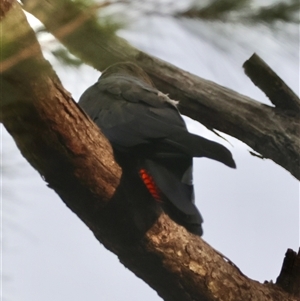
251,214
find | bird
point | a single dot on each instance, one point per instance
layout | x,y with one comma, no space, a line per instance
149,136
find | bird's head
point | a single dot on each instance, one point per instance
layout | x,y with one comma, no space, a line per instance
127,68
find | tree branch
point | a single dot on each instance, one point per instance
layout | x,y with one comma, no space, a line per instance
271,84
69,151
289,278
270,132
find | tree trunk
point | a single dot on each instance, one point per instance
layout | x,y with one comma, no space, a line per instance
74,158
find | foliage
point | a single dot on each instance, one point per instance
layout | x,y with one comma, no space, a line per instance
287,12
109,16
244,11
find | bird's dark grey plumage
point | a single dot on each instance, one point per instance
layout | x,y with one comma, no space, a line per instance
144,124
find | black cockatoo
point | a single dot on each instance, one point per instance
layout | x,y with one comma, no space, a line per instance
149,136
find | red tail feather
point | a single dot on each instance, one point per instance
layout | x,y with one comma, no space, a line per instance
150,184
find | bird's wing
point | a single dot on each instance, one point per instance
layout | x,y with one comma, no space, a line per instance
130,112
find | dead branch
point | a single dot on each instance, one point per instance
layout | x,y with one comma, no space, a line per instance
272,85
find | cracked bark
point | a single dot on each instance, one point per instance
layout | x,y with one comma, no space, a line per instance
289,277
73,157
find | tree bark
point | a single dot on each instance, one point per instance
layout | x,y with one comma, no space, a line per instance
74,158
270,131
289,277
271,84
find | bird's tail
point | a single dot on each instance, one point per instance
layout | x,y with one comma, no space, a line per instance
196,146
176,197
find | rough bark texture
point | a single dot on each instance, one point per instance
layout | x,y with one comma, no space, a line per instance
51,131
270,131
289,278
68,150
271,84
